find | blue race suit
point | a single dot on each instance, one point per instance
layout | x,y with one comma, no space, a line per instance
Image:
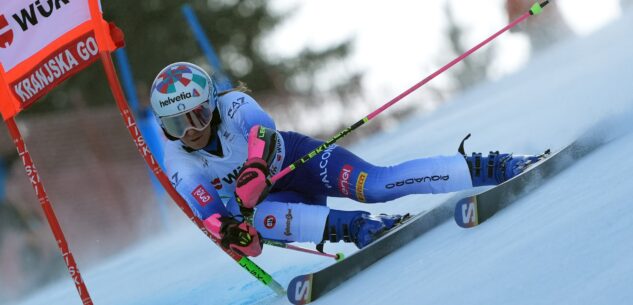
295,208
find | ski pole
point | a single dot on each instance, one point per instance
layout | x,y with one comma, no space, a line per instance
337,256
534,10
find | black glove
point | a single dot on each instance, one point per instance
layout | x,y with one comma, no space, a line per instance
240,237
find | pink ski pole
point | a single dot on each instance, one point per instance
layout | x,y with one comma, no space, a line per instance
535,10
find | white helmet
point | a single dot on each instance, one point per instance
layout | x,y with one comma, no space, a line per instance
183,97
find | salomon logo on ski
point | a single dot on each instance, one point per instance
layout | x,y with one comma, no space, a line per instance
300,290
466,212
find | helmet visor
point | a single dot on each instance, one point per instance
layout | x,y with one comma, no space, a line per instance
197,118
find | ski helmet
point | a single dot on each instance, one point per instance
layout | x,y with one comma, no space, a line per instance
183,97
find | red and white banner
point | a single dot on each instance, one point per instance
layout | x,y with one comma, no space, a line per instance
30,26
44,42
66,61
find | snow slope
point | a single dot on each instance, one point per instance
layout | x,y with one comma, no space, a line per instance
567,242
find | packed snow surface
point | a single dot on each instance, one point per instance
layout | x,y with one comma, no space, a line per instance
567,242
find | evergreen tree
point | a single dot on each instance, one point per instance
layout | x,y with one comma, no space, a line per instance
156,34
472,69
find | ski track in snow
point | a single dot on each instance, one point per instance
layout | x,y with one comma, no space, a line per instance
566,242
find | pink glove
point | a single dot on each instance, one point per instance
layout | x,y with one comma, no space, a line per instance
237,236
252,183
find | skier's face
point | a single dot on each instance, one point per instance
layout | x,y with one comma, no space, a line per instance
195,139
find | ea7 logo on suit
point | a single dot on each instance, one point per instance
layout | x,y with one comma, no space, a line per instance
6,33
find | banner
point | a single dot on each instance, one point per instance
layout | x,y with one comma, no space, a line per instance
44,42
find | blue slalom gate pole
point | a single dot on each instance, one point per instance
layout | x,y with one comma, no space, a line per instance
224,83
148,127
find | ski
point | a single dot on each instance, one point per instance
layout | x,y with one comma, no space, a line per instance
306,288
474,210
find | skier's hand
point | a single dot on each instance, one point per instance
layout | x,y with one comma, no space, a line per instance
252,183
237,236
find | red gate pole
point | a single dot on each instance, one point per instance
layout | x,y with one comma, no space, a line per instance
36,182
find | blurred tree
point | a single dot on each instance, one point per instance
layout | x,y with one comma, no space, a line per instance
543,31
156,34
472,69
24,258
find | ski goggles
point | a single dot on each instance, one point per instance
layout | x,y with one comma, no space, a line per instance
197,118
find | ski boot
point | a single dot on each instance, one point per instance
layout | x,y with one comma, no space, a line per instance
358,227
497,168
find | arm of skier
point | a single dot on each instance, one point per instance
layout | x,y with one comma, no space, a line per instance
225,224
253,182
259,129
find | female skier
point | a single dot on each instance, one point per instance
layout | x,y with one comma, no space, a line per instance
224,148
